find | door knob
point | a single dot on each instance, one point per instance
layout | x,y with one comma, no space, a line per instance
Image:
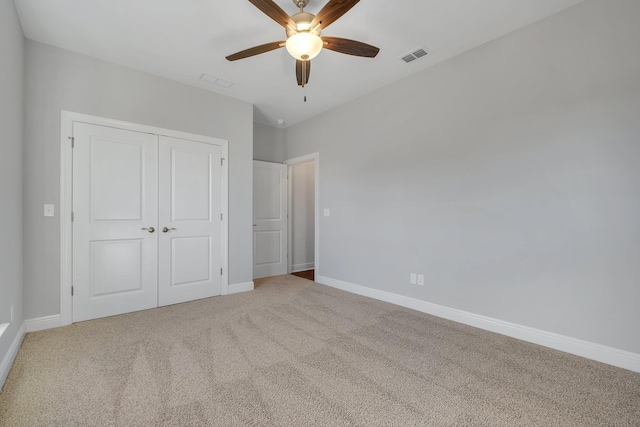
150,229
165,229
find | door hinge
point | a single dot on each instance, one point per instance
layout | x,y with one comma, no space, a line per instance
73,141
221,272
72,291
222,161
220,217
72,216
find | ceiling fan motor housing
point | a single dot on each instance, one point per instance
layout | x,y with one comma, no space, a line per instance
303,21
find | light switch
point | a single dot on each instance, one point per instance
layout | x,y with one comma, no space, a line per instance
49,210
327,212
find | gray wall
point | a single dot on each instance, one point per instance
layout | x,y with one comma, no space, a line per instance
268,143
61,80
11,106
302,215
509,176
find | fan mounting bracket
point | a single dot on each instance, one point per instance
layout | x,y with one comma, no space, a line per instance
301,3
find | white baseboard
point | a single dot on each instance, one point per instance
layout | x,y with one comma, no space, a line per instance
240,287
42,323
302,267
7,362
612,356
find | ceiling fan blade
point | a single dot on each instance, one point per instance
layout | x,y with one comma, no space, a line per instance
332,11
303,68
256,50
350,47
274,12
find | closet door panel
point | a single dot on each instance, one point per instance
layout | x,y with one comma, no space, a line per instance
189,220
115,207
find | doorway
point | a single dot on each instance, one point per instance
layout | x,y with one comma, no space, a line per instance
303,221
286,224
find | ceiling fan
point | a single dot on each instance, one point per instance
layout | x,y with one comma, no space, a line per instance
303,35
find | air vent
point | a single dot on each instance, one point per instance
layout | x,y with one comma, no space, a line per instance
216,80
420,53
409,58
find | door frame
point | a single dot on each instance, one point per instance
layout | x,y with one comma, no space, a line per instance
66,196
315,157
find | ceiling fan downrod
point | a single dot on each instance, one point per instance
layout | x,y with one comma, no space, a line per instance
301,4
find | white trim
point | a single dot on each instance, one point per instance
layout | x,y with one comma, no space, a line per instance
302,267
66,192
224,207
289,219
66,206
240,287
42,323
7,362
313,157
589,350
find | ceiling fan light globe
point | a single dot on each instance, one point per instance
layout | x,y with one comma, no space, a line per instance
304,46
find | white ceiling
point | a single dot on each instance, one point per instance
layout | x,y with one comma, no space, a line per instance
181,39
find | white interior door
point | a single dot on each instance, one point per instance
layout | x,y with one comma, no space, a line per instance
190,221
269,219
115,209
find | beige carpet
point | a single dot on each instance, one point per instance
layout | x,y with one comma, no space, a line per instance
295,353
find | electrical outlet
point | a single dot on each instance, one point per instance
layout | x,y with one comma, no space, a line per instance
412,278
421,279
11,314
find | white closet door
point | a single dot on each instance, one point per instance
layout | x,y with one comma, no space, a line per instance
115,192
269,219
190,223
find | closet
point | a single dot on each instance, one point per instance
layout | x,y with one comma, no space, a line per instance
147,220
